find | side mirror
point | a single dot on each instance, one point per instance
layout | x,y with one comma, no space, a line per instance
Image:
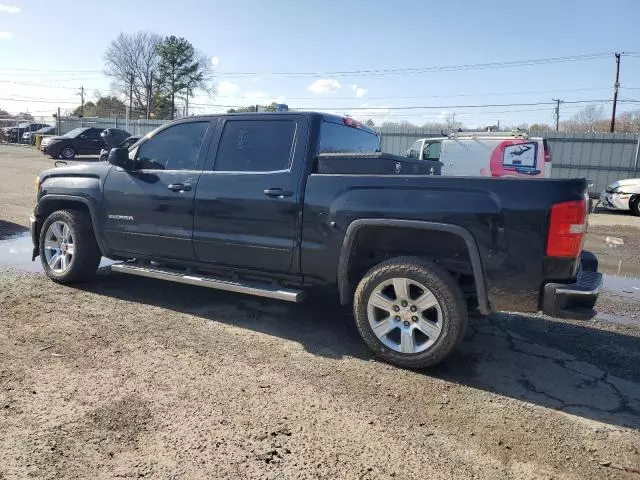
119,157
83,137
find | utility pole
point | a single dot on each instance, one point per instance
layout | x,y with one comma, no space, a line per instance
615,93
130,96
81,101
557,112
149,97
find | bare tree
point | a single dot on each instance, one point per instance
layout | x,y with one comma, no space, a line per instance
629,122
132,61
589,120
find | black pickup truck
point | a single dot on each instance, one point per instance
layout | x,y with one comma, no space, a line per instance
279,204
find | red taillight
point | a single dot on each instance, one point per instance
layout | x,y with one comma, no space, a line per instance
547,152
567,228
350,122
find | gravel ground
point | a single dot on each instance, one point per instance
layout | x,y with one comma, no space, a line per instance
131,377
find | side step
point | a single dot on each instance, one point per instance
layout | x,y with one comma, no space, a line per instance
251,288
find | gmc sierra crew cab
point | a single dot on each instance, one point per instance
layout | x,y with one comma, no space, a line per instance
279,204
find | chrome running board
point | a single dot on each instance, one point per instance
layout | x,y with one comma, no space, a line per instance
250,288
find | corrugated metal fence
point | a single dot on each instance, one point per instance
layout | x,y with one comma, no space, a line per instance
134,127
600,157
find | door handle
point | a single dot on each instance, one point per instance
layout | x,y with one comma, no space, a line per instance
277,193
179,187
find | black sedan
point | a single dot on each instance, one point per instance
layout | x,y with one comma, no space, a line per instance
79,141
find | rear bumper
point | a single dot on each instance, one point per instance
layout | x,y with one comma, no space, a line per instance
575,300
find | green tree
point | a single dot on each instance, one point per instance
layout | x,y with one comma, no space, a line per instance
272,107
180,66
26,116
4,113
103,107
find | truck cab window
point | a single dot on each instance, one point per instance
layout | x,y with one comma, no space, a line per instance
255,146
175,148
414,151
431,151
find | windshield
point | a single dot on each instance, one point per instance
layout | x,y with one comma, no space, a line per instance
74,133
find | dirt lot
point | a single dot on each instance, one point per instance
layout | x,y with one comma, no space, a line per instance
131,378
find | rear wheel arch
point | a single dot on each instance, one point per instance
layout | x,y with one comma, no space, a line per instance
348,253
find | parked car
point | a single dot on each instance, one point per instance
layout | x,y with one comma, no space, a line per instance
254,203
30,137
622,195
113,137
487,154
14,134
79,141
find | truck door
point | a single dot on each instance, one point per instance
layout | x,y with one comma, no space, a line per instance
149,209
248,200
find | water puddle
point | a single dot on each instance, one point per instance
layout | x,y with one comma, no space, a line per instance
15,252
624,286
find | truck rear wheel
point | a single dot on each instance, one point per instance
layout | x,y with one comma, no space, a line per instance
68,249
410,312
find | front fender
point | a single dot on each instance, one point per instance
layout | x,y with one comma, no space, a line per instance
57,202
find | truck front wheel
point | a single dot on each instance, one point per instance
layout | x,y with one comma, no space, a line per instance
410,312
68,248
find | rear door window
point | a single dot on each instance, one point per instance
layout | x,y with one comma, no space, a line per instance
255,146
520,155
338,138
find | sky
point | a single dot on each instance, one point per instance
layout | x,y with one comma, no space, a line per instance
344,57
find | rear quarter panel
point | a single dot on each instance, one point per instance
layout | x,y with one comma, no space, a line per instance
507,217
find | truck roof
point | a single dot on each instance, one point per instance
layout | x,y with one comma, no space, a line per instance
329,117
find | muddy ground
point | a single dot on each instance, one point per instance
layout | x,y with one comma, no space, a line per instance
126,377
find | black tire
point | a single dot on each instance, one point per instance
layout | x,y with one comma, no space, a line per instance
444,288
68,153
86,257
634,205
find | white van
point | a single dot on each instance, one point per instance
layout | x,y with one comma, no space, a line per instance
487,154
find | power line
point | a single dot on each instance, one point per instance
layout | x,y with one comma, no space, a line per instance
432,96
390,71
437,68
440,107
